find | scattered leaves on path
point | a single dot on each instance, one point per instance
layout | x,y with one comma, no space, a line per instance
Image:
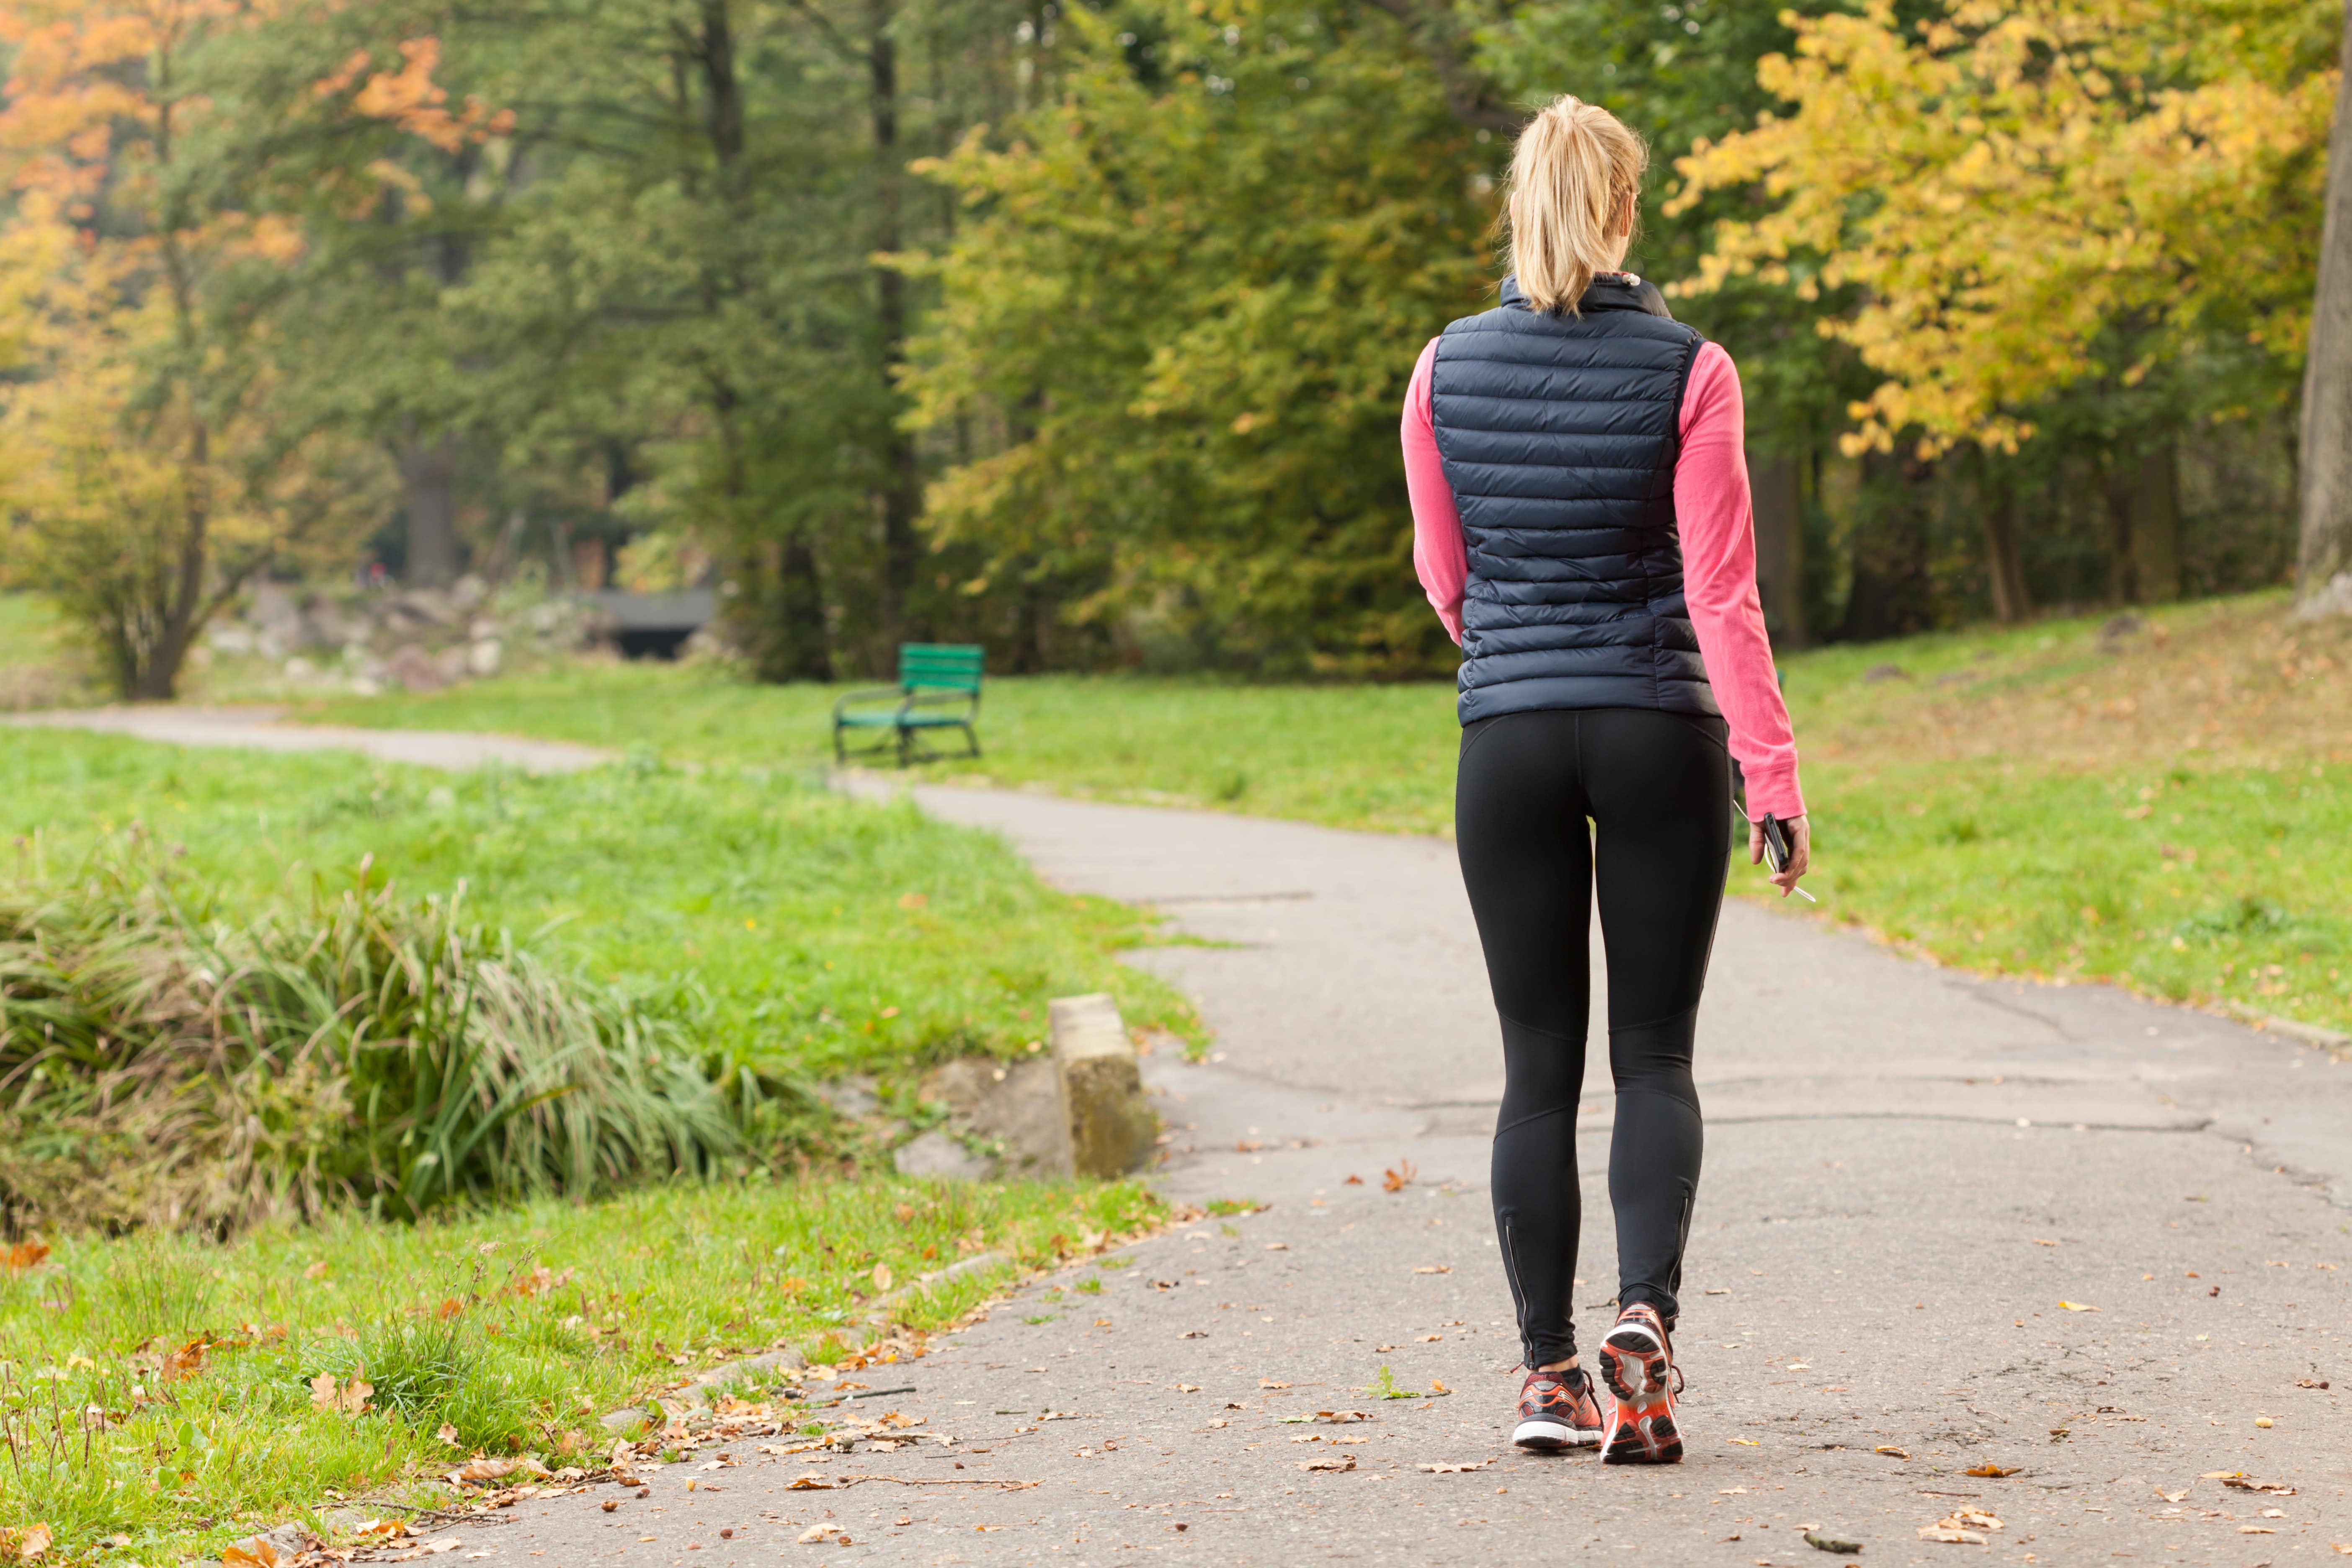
473,1472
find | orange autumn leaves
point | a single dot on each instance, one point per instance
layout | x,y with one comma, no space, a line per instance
2006,184
410,99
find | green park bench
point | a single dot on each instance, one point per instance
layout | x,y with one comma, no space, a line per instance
939,689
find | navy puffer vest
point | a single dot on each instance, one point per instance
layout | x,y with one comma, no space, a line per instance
1559,436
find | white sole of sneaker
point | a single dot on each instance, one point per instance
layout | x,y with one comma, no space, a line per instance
1551,1435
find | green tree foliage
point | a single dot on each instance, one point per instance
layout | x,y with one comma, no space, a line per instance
1176,325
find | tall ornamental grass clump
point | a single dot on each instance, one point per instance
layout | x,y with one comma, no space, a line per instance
159,1065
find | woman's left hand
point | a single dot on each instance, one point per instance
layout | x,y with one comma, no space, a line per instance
1801,851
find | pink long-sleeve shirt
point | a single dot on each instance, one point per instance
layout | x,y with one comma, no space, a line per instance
1718,543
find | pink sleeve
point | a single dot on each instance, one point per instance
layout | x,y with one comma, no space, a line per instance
1438,558
1718,538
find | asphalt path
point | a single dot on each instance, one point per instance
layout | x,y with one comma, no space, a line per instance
1908,1171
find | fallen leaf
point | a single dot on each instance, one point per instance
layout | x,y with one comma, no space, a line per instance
1435,1269
2243,1484
351,1398
1269,1382
2077,1307
1447,1469
1831,1543
1398,1178
810,1484
1437,1387
1336,1462
33,1541
1193,1334
1992,1470
2039,1241
1746,1442
1188,1388
1278,1246
474,1471
2180,1496
813,1533
1426,1338
1949,1536
185,1362
316,1271
2310,1383
1970,1519
2256,1530
1341,1418
1354,1182
2221,1475
1892,1452
27,1255
881,1276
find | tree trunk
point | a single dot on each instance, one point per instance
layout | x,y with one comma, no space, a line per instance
902,477
2005,560
429,471
157,678
2156,523
2323,558
1779,506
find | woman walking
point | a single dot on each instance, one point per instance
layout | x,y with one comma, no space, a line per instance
1580,521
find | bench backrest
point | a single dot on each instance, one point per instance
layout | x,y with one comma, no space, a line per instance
939,666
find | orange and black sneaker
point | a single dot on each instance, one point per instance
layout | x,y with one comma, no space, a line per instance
1637,1364
1558,1410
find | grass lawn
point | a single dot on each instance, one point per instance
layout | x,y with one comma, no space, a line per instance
808,933
515,1330
800,933
2165,808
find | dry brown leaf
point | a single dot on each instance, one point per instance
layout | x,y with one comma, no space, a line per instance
316,1271
1950,1537
351,1398
1341,1418
449,1435
2077,1307
810,1484
1891,1451
1437,1387
1992,1471
474,1472
26,1255
1398,1179
2246,1484
449,1309
881,1276
1354,1182
31,1542
185,1362
1447,1469
1336,1462
1969,1518
1433,1268
1269,1382
255,1552
815,1532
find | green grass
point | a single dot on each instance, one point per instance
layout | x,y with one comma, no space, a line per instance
39,665
802,932
518,1330
1355,756
2165,808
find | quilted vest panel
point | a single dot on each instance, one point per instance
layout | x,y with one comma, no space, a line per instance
1559,436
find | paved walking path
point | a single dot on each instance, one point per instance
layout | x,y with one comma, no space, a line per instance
1908,1171
259,728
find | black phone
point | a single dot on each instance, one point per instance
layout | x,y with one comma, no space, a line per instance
1776,843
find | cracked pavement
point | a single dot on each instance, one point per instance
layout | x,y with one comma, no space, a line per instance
1908,1171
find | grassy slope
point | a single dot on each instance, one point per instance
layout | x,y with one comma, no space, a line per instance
1985,805
825,934
452,1323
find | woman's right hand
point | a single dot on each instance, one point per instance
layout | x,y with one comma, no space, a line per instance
1799,835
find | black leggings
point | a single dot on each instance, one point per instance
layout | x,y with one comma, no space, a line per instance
1657,788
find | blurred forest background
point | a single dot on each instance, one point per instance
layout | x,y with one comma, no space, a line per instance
1081,333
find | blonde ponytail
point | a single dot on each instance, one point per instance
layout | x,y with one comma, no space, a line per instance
1574,168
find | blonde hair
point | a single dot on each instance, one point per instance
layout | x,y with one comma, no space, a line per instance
1574,168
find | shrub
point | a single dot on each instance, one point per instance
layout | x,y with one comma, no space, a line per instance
160,1067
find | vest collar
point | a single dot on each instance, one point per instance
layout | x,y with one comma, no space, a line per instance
1606,291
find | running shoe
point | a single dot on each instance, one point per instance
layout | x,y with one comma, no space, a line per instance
1558,1410
1637,1364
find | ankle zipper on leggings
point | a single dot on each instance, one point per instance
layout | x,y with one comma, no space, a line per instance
1518,1291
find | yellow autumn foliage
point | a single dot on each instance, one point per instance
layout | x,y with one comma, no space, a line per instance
2022,196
